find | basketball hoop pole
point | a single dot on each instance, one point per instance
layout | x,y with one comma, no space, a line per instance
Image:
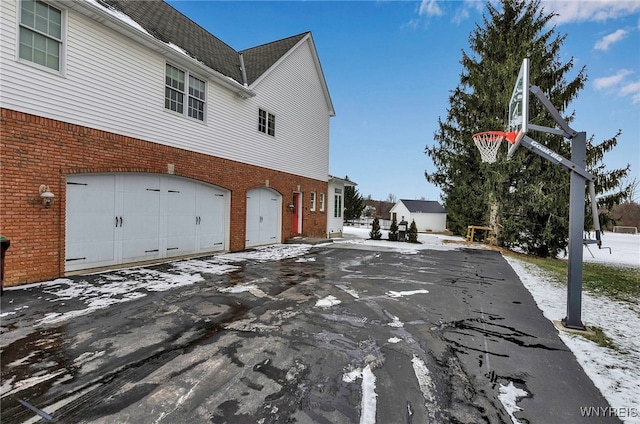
576,228
578,180
519,122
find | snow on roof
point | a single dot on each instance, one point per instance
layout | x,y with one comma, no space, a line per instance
117,14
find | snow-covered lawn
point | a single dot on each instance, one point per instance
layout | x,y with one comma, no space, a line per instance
615,372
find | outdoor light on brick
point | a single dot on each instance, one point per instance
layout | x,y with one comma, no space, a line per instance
46,196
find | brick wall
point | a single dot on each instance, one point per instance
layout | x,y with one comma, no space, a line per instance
36,150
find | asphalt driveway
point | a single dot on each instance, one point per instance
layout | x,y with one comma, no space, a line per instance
332,335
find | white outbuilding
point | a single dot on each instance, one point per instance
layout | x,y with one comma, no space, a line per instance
429,215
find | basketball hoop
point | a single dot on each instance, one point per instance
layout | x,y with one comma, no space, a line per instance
488,143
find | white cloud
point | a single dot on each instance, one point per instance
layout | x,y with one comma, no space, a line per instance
591,10
430,8
632,89
608,40
606,82
465,10
617,81
461,15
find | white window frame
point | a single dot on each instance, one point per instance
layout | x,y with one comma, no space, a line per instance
266,123
312,199
337,203
60,40
190,94
321,202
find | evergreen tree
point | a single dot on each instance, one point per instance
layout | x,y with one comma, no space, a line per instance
412,234
528,195
353,203
393,229
375,233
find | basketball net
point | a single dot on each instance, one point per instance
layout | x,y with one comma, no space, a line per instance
488,143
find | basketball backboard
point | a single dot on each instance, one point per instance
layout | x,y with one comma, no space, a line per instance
519,106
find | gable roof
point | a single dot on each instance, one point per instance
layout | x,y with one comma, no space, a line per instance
423,206
166,24
257,60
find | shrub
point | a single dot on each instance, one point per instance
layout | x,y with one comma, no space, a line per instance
375,233
413,232
393,230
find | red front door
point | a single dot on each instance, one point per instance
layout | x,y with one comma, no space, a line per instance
295,216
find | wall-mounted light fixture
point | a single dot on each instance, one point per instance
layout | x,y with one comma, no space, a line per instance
46,196
291,207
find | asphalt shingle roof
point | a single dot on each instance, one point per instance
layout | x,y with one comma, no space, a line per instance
423,206
167,24
258,60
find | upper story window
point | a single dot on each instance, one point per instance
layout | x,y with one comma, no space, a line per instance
176,90
312,197
266,122
40,34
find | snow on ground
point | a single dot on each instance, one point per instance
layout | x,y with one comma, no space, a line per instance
360,236
625,250
509,397
615,372
124,285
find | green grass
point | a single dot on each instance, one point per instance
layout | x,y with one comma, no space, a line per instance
616,282
613,281
597,336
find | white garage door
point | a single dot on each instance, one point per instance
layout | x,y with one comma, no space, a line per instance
263,217
121,218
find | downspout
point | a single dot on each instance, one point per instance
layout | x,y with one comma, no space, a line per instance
244,72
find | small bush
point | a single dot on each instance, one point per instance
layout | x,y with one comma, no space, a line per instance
393,230
413,232
375,233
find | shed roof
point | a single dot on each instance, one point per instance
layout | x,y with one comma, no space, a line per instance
423,206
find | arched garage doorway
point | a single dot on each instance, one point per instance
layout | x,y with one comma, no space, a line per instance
115,219
264,218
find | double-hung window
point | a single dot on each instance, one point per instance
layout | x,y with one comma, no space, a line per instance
321,202
313,201
266,122
40,34
176,90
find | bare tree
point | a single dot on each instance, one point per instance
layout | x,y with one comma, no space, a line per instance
634,191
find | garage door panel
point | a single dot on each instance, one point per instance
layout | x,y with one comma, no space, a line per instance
253,219
180,216
211,212
270,211
90,221
141,217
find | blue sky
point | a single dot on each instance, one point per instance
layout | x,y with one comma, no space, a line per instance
390,66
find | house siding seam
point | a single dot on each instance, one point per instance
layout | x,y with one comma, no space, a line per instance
36,150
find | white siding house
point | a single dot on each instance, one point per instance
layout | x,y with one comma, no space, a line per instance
112,78
157,139
429,215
